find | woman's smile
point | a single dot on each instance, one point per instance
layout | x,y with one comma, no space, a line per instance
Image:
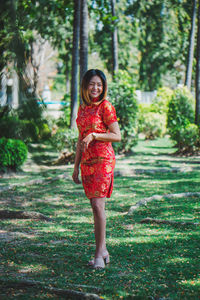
95,87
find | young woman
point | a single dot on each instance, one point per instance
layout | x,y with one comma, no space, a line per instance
98,127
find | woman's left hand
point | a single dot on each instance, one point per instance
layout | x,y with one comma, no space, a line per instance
86,141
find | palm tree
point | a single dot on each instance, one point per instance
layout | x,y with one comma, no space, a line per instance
114,41
83,38
197,110
188,77
75,63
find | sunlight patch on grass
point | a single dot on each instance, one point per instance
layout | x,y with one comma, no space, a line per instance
79,219
178,259
191,282
32,268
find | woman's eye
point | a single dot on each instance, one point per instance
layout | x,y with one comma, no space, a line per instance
93,84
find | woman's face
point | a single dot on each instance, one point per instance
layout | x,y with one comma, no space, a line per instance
95,87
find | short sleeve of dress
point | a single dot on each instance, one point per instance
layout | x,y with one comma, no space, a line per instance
109,113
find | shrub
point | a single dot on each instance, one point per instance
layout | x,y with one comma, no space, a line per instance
65,139
189,138
180,114
44,131
30,110
122,96
160,102
12,127
26,123
13,153
152,125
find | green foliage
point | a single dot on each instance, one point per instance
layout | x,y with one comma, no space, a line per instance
189,138
26,123
153,117
163,28
180,116
101,39
156,262
30,110
160,102
65,139
13,153
44,131
64,120
122,96
14,128
151,124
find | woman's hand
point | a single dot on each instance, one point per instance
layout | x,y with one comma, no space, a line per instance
75,176
86,141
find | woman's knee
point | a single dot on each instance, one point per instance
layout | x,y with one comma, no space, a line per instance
98,207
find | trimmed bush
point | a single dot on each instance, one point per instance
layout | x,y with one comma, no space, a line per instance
152,125
65,139
160,102
180,114
13,153
122,96
189,138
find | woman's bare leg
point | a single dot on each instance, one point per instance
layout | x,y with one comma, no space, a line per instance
98,207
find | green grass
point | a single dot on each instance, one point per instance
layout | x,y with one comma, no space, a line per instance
147,261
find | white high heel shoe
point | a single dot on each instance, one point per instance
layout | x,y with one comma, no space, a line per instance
105,257
99,263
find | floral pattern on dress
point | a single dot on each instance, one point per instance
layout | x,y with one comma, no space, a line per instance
98,161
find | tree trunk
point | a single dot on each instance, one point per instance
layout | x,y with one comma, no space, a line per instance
83,38
197,110
188,78
67,81
75,62
114,42
17,47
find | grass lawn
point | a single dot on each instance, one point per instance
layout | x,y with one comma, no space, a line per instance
148,261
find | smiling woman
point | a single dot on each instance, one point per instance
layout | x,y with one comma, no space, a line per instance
95,87
98,128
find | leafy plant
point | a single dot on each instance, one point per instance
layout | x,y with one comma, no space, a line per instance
180,115
190,138
152,125
64,120
65,139
13,153
30,110
14,128
122,96
160,102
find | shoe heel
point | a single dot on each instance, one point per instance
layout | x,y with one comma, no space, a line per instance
107,259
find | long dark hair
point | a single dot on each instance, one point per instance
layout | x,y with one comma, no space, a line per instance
85,82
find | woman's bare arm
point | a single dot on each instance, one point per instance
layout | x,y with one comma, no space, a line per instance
77,160
113,136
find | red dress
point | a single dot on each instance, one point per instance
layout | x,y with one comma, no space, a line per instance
98,161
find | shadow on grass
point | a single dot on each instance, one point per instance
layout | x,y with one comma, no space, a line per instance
147,261
43,154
